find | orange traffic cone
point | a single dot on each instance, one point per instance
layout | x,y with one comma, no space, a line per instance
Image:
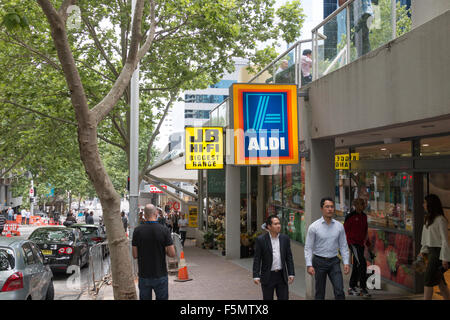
182,270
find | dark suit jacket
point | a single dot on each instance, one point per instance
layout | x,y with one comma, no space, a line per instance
263,259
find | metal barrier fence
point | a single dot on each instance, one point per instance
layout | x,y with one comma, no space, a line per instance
99,266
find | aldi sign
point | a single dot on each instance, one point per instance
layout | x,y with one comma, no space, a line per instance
265,122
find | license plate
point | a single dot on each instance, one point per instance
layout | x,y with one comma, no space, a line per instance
47,252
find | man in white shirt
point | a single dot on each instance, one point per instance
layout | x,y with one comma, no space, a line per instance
325,236
27,216
273,265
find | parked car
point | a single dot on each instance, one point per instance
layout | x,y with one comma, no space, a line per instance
24,274
95,234
62,246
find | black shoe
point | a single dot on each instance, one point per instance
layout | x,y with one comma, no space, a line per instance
353,292
364,293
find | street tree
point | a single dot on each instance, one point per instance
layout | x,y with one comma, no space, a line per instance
180,45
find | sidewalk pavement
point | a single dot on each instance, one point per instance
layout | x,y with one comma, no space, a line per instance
216,278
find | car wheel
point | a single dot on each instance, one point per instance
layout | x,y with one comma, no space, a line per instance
50,291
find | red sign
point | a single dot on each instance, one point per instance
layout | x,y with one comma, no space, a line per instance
152,189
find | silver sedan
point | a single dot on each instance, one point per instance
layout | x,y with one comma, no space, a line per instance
23,272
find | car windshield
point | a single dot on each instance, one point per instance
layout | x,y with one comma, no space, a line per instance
88,231
6,259
62,235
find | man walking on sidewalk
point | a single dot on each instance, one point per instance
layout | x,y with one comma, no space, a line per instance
273,261
325,236
151,243
356,229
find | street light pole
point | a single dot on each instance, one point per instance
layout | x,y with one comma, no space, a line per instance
134,146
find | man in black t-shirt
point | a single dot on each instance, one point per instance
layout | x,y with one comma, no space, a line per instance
151,243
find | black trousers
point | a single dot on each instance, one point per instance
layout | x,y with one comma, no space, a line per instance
330,267
183,237
277,284
359,270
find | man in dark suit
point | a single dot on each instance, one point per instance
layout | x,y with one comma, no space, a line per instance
273,266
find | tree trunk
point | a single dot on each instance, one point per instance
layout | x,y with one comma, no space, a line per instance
121,267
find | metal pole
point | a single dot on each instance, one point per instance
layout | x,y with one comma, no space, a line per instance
249,200
200,199
207,200
394,18
134,145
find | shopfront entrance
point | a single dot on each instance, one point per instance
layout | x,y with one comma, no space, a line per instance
394,179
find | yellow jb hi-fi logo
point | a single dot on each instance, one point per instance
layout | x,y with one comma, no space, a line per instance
204,148
342,161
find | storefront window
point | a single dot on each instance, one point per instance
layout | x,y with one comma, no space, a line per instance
389,197
292,187
438,146
342,189
287,199
277,185
385,151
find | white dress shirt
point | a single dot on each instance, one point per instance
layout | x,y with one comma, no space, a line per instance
436,235
324,240
276,261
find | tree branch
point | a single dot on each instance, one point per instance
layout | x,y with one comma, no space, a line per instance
73,79
99,46
109,101
61,120
173,96
111,142
120,129
62,11
34,51
2,174
151,35
39,113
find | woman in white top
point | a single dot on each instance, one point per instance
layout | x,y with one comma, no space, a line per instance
435,246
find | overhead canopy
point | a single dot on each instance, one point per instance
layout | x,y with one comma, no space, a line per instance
173,169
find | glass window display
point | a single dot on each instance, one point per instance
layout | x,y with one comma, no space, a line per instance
285,197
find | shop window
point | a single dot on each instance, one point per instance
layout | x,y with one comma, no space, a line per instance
285,194
385,151
292,187
389,198
438,146
277,185
342,191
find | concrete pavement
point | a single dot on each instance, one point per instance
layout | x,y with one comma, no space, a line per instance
214,278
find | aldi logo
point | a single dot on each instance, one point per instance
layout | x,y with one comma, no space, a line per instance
265,124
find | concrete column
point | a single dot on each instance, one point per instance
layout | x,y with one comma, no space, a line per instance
320,180
232,212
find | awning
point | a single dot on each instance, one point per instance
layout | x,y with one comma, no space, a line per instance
174,170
